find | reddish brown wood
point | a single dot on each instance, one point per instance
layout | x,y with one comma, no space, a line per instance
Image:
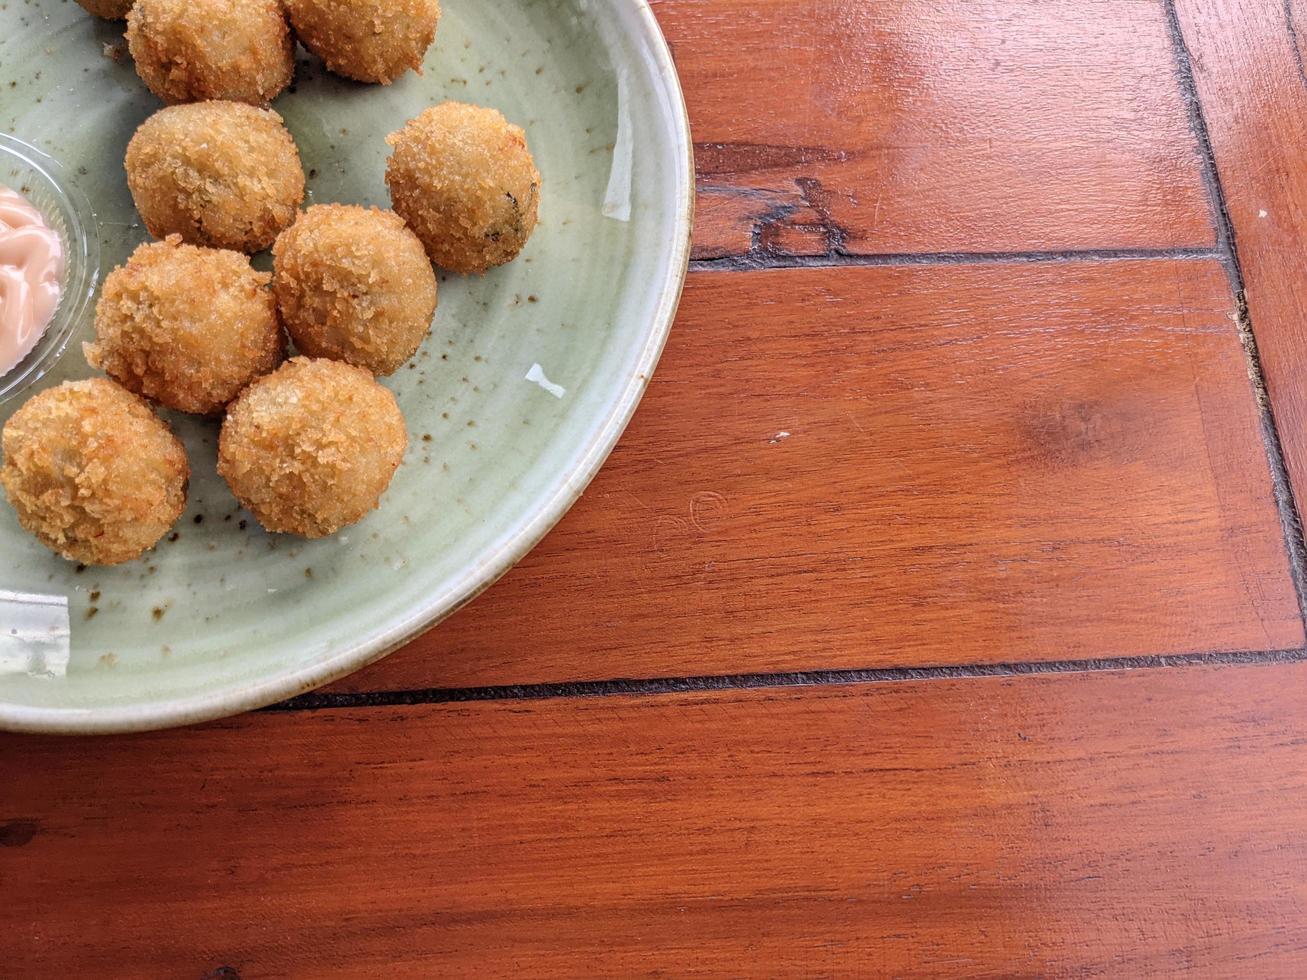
920,126
897,466
1134,824
837,467
1248,61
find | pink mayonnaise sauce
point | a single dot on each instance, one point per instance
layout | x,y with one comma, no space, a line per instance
31,269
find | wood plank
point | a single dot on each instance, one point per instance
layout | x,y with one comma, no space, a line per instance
1248,62
921,126
1130,824
904,466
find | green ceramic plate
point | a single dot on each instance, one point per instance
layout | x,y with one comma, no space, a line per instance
225,617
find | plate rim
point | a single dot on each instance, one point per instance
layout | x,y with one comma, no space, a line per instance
248,696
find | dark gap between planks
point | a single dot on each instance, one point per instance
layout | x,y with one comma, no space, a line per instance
762,260
316,701
1286,505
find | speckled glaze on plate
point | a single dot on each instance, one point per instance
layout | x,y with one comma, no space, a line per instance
223,617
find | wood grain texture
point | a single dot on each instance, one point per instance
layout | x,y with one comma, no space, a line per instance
906,466
1248,63
1134,824
971,125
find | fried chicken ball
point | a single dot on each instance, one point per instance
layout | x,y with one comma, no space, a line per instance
463,179
108,9
367,40
189,50
354,284
92,472
186,327
223,174
311,447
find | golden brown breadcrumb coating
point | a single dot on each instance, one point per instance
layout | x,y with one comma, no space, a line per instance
189,50
223,174
463,179
108,9
367,40
354,284
187,327
92,472
311,447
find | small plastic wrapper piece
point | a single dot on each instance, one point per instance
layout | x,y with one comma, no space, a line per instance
34,634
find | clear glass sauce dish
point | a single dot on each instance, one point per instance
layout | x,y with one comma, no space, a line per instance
51,189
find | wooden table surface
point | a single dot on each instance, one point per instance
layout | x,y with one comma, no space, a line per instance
940,613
